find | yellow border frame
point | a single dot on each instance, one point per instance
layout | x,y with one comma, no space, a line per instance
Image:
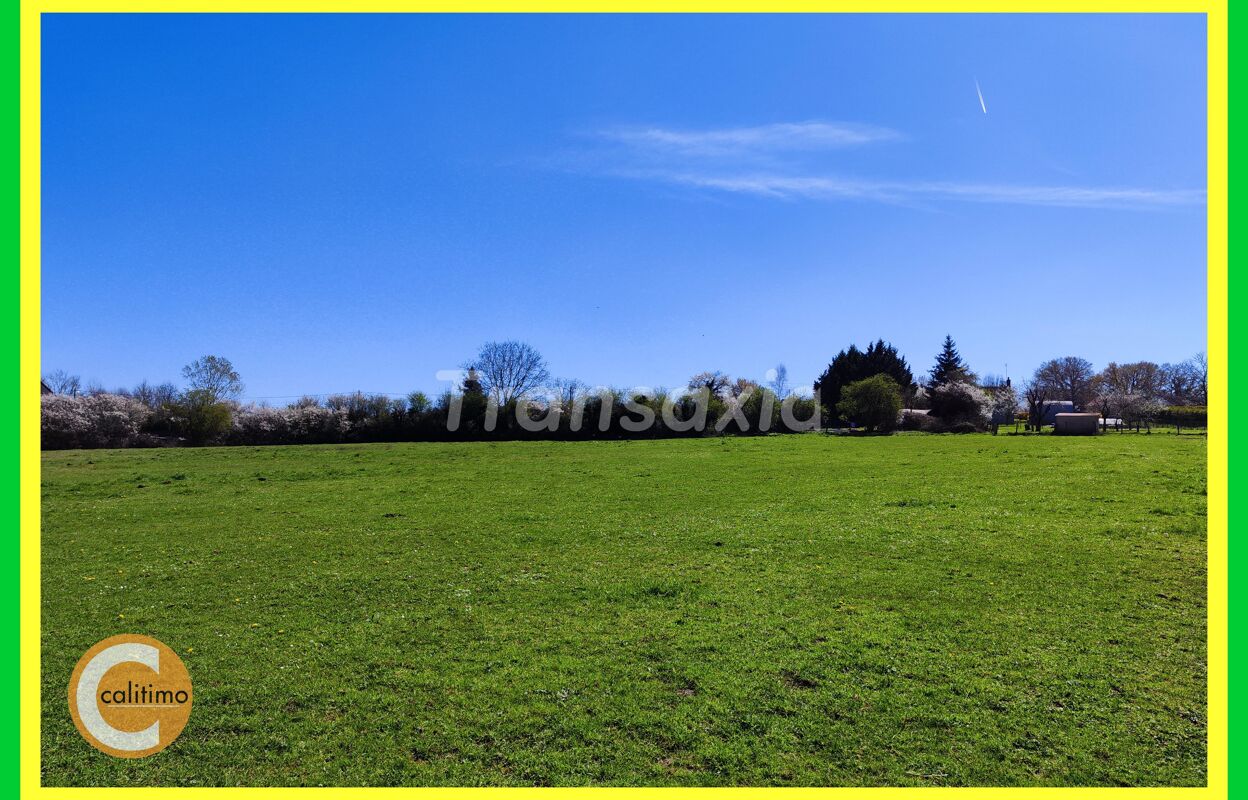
1216,16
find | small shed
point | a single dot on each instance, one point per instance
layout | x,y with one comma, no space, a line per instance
1082,424
1054,407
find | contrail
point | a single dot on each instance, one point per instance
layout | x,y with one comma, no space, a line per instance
981,96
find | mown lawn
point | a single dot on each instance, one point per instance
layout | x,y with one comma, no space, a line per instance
785,610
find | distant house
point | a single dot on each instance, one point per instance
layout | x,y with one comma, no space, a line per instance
1054,407
44,388
1002,416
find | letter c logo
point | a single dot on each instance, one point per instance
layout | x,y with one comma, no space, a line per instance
113,691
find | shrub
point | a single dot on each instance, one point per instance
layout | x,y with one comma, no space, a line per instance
63,421
114,420
915,421
1184,416
259,425
299,423
799,414
316,424
200,417
760,400
873,403
99,420
954,403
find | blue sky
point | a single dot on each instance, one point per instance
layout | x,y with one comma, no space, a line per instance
355,202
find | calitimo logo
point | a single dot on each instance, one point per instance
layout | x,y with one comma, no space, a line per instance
130,696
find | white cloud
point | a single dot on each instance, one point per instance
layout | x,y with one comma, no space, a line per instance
756,140
833,188
790,161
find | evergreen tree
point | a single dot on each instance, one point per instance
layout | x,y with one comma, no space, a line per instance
475,402
471,385
852,365
950,368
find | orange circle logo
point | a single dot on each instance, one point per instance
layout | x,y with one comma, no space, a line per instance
130,696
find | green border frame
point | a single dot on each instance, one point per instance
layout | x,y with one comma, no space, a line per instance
10,360
1234,484
1235,599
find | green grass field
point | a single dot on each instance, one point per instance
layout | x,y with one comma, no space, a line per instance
786,610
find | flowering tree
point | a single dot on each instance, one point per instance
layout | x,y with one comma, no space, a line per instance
960,402
63,421
99,420
1138,410
1004,404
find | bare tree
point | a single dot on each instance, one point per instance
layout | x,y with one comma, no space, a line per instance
61,382
778,381
1037,393
568,390
155,397
1137,378
1177,382
508,370
215,377
1105,400
1200,366
1068,378
1185,383
715,382
991,380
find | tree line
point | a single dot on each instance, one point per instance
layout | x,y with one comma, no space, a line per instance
508,392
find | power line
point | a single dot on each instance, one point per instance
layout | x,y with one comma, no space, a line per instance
324,394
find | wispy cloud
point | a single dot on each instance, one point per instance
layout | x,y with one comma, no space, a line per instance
756,140
797,161
796,187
